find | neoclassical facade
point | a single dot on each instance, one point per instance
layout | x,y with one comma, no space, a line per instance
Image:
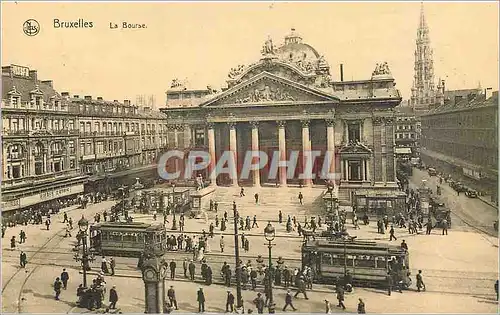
288,102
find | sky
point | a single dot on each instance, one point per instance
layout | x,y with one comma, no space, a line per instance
201,42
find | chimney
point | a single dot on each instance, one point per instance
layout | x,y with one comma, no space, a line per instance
341,73
88,97
33,75
65,95
99,98
76,96
115,101
48,82
126,102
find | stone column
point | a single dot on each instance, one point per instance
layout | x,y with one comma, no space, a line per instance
187,136
383,143
176,145
45,152
234,153
282,151
211,151
362,169
255,150
307,157
330,147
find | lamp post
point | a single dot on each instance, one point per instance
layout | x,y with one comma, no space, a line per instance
239,299
83,226
122,194
174,221
270,234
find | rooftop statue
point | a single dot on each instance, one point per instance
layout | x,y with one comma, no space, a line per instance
268,48
381,69
175,83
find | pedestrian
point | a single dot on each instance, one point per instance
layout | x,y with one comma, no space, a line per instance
404,246
301,288
65,217
444,224
112,264
254,224
301,197
229,302
256,196
113,297
216,206
192,268
104,265
242,192
340,296
420,281
23,260
221,243
22,237
288,301
259,303
13,243
328,307
185,266
64,278
201,301
172,266
391,232
57,287
171,297
280,217
70,222
361,307
47,223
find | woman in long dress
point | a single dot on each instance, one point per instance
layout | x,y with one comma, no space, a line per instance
104,265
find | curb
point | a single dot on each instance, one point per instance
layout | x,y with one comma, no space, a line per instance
489,203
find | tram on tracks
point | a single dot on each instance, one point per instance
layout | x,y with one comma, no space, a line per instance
127,239
369,263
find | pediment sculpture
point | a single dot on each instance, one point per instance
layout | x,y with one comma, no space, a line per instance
176,83
235,72
266,94
355,147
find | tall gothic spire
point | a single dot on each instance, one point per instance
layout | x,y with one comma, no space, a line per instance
423,93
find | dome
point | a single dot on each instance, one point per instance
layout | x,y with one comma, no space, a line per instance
294,49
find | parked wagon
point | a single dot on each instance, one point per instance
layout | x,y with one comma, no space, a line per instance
127,239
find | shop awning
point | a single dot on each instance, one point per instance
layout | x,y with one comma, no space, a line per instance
402,151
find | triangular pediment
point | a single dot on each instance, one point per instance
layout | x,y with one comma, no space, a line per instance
268,88
355,149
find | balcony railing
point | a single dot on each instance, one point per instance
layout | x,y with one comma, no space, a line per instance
15,132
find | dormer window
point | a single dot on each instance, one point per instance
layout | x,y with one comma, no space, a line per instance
15,101
37,101
56,105
354,132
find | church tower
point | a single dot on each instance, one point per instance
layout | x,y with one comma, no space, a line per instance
423,92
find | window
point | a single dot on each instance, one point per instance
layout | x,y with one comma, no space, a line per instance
72,163
15,151
16,171
354,171
37,101
38,168
57,166
365,261
15,101
71,147
353,130
200,137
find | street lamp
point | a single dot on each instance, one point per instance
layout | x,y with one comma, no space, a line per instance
83,226
174,221
270,234
122,194
239,299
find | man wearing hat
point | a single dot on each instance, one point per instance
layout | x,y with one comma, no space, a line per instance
259,303
201,301
171,297
192,268
288,301
229,302
113,297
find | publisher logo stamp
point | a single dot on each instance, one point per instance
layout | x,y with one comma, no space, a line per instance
31,27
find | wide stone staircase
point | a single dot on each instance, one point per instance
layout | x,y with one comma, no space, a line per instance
271,200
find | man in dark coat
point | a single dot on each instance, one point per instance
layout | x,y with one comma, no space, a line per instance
259,303
23,260
391,232
229,302
172,266
113,297
192,269
185,265
288,301
64,278
171,297
201,300
340,297
57,287
361,307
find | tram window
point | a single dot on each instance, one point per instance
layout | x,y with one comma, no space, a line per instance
365,261
327,259
380,260
130,237
115,236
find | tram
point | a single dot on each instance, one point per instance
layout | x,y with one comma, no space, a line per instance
127,239
369,263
